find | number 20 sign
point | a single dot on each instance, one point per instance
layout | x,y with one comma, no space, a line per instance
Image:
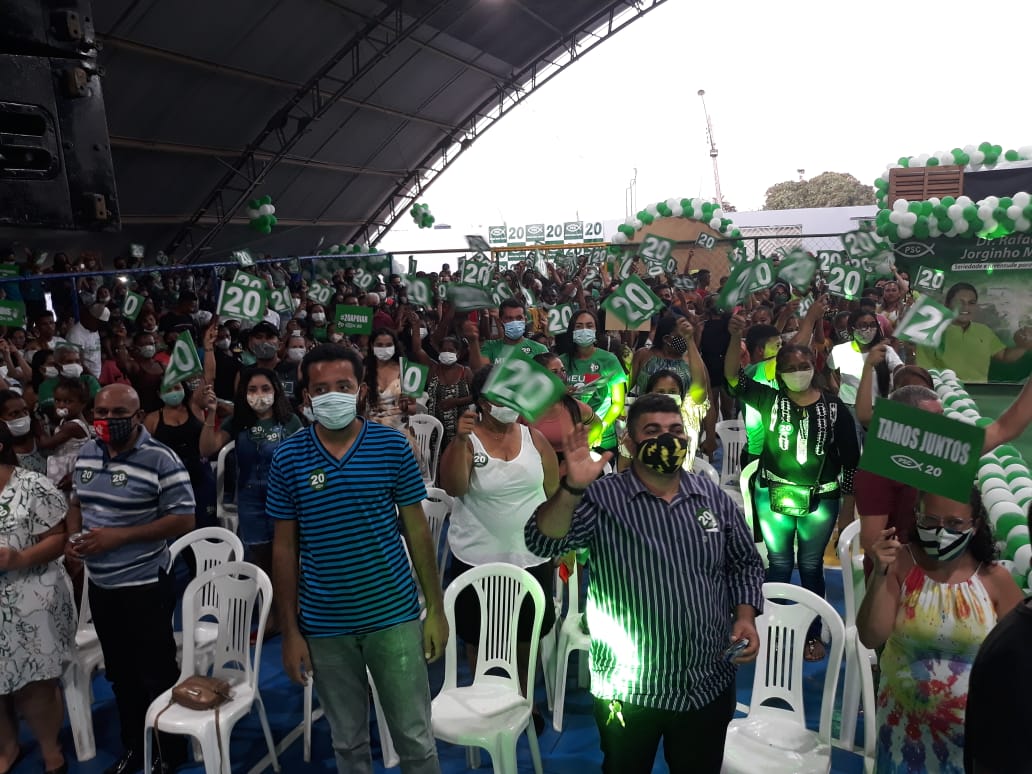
523,385
925,323
242,303
632,302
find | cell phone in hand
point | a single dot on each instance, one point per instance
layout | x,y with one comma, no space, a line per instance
735,649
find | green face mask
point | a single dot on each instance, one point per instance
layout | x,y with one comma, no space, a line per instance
173,398
247,358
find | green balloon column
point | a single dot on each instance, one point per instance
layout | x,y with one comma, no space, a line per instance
262,214
421,215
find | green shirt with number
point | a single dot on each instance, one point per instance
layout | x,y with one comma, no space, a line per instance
495,349
599,374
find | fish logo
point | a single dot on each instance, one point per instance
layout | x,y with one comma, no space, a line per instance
573,229
496,233
914,249
536,231
906,462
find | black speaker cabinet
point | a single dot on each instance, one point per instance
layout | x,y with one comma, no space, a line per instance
55,157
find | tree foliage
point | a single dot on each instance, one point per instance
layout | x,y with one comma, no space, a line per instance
830,189
727,206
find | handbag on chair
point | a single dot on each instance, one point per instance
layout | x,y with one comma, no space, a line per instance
200,693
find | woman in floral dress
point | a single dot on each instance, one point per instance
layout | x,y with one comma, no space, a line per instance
37,615
931,603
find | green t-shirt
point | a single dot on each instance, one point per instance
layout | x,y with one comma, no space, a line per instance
495,349
599,374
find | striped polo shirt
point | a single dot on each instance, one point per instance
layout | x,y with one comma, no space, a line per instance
138,486
355,576
665,580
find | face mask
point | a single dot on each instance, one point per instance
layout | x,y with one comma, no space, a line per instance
152,329
677,344
383,353
264,350
306,412
50,372
222,344
584,337
514,330
779,298
116,430
61,413
318,318
664,454
334,410
423,333
301,314
247,358
173,398
296,354
797,381
148,351
71,370
86,299
193,385
864,337
20,426
261,402
788,336
448,358
944,544
504,414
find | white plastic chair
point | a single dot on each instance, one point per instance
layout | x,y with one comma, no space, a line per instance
571,639
428,432
211,546
747,475
77,679
865,657
491,713
438,507
240,587
225,513
851,559
731,433
390,754
701,467
772,739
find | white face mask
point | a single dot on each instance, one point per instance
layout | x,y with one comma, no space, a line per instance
295,354
20,426
147,351
50,372
788,336
504,414
222,344
383,353
944,544
71,370
447,358
260,401
864,337
797,381
318,318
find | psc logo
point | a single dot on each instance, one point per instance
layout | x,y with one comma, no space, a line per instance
479,460
119,478
317,479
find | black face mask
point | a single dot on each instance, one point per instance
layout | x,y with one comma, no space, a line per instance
664,454
677,344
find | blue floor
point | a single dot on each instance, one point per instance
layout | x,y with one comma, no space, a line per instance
574,751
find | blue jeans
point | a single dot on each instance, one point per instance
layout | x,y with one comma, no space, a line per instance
779,533
394,657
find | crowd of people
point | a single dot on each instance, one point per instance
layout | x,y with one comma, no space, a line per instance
103,462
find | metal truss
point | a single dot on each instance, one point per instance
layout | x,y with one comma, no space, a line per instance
291,122
568,49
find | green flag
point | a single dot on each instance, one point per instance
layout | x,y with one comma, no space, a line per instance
183,363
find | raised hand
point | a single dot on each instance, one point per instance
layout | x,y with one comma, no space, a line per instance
886,550
467,422
581,469
737,325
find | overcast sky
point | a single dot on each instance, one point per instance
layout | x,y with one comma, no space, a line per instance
820,86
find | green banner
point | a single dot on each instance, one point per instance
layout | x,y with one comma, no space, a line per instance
559,317
745,279
244,258
925,323
183,363
523,385
797,269
924,450
476,272
280,300
658,254
418,291
12,314
242,302
468,298
353,320
988,282
320,293
633,302
413,378
132,305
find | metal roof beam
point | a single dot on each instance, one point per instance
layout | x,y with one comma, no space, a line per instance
228,196
211,220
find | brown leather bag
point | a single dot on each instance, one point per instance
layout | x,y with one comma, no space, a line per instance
201,693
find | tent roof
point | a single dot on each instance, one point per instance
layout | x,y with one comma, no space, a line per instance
340,110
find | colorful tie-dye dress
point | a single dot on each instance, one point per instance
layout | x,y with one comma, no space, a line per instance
924,674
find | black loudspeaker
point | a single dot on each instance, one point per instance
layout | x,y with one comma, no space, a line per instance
55,155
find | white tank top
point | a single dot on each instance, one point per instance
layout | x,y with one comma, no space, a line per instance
487,522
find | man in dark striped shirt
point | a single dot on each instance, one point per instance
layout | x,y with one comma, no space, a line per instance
336,491
675,580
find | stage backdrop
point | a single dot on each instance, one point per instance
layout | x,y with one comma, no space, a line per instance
1000,270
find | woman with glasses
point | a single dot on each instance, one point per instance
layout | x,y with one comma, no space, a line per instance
846,361
809,442
559,420
931,603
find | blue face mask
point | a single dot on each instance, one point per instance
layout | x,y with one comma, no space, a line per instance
515,329
334,410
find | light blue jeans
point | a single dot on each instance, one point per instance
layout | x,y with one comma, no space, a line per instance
394,657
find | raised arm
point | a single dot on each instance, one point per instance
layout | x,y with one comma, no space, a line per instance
733,358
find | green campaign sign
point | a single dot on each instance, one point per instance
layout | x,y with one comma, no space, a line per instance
353,320
523,385
496,235
929,279
797,269
183,363
242,302
828,258
412,265
413,378
475,272
281,300
136,251
364,279
320,293
633,302
657,252
244,258
418,291
9,270
845,281
12,314
559,317
745,279
573,231
132,305
925,323
924,450
867,249
501,292
249,280
467,298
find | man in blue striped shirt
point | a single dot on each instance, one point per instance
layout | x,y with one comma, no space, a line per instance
675,580
336,491
131,494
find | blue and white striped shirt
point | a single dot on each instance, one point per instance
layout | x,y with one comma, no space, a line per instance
138,486
355,575
665,580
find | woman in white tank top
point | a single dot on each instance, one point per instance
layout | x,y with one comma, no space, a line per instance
499,471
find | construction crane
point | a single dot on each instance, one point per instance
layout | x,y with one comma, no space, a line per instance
712,148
